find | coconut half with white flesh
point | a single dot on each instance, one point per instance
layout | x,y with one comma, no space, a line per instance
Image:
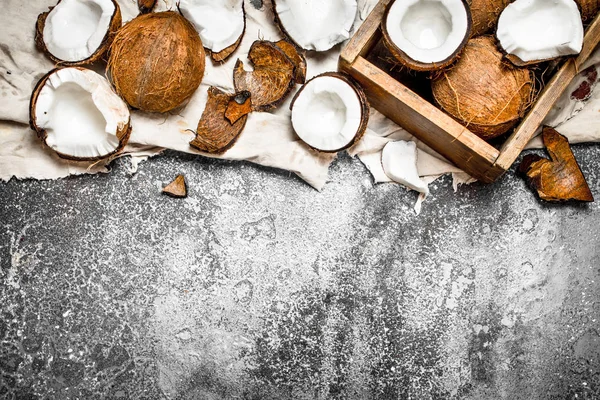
315,24
78,32
399,162
76,113
330,113
426,35
532,31
221,24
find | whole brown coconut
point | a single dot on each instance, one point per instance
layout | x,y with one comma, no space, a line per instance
485,14
589,9
156,61
483,92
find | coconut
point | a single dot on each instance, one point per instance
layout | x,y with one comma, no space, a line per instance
146,6
78,32
589,9
221,24
532,31
177,188
156,61
483,92
426,35
315,24
76,114
485,14
330,112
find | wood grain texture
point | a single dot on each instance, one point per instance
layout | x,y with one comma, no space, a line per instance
435,128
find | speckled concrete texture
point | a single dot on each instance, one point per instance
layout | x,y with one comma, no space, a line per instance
258,287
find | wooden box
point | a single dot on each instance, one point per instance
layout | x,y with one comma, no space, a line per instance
434,127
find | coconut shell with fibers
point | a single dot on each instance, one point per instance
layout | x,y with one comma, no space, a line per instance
482,91
115,23
485,14
156,61
589,9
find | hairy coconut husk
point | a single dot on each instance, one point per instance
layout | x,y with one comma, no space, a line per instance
482,92
415,65
146,6
272,78
589,9
215,133
485,14
122,134
296,56
115,24
156,61
239,106
177,188
364,102
557,179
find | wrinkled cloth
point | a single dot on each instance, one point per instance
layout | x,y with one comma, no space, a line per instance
268,138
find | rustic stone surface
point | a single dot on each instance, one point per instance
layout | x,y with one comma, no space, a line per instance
258,287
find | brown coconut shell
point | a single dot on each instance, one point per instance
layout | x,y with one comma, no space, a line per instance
215,133
296,55
115,24
239,106
177,188
123,134
589,9
224,54
156,62
483,92
415,65
272,79
364,102
146,6
485,14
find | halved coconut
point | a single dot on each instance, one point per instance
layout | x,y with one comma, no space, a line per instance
75,113
221,24
426,35
531,31
330,113
315,24
77,32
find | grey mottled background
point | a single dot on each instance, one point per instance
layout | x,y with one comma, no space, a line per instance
259,287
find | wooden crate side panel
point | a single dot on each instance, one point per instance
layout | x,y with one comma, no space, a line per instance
426,122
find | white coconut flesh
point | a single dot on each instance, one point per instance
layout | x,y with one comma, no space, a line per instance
75,29
219,23
80,114
327,113
399,161
317,24
541,29
428,31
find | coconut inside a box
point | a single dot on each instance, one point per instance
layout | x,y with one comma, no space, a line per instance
77,32
426,35
330,113
75,113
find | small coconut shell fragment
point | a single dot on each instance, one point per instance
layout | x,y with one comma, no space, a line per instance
557,179
146,6
215,133
297,57
239,106
156,61
98,53
272,79
177,188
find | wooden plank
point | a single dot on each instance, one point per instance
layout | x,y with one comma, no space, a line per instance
549,96
426,122
365,37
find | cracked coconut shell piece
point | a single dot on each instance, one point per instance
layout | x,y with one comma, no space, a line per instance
426,35
557,179
156,62
91,45
239,105
77,115
272,79
297,57
177,188
146,6
215,133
